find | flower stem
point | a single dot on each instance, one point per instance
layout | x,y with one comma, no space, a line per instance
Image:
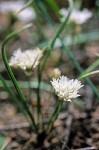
12,77
38,93
54,115
29,91
57,34
39,113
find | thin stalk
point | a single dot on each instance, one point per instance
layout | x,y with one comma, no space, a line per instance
54,115
88,74
29,90
44,12
90,68
25,6
38,20
12,77
57,34
39,112
38,94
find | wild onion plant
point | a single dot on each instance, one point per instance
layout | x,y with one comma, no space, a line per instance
65,89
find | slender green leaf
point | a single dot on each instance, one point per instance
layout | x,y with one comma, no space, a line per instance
25,6
53,6
12,77
44,12
88,74
90,68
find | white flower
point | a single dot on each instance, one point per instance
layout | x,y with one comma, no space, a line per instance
13,6
26,60
65,88
78,16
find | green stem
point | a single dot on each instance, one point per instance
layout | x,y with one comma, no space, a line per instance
90,68
88,74
45,14
29,90
57,34
12,77
39,112
25,6
54,115
38,20
38,93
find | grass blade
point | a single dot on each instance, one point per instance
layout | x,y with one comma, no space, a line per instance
12,77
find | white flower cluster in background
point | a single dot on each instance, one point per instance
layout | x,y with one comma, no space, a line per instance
26,60
78,16
13,6
65,88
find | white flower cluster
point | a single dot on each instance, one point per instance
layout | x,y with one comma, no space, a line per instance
13,6
78,16
26,60
65,88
